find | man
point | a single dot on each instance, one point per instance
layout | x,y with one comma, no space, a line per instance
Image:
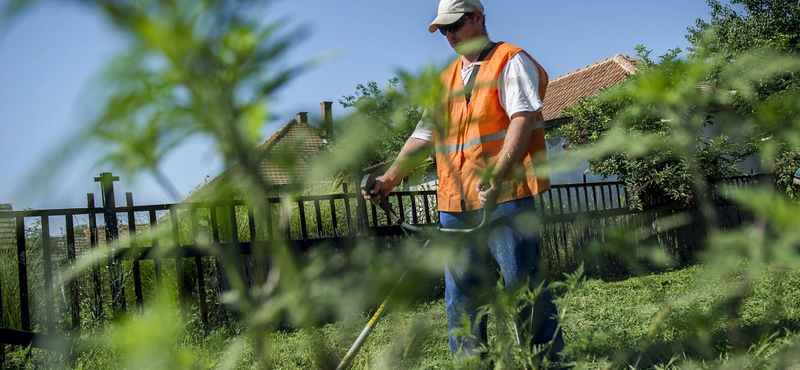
487,143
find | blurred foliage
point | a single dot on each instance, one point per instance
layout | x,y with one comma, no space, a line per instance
728,76
685,133
772,25
649,131
190,69
209,69
389,116
381,107
201,69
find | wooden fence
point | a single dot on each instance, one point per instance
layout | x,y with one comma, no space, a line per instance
40,308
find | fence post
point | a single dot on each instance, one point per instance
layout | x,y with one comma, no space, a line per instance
106,181
98,289
22,268
347,211
47,263
74,290
137,270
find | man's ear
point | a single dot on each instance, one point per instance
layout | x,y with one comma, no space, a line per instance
478,15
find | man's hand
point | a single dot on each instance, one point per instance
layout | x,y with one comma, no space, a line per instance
408,158
381,189
488,195
518,136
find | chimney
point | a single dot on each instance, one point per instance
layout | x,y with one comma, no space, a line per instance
302,117
327,118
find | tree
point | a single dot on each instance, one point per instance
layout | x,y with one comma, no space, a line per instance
727,39
649,130
662,174
393,119
763,25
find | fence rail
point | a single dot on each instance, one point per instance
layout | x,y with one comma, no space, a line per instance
180,235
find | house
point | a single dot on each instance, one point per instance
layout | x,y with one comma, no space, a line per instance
296,140
567,90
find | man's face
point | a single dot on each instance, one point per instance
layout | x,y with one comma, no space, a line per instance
472,28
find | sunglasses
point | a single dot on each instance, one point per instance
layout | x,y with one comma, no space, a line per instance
455,26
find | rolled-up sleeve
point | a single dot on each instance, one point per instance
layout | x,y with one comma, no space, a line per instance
519,86
424,129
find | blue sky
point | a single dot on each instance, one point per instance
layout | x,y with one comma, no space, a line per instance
52,54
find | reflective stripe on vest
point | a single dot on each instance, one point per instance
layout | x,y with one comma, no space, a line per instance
442,149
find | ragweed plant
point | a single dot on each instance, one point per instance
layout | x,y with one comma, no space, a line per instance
678,93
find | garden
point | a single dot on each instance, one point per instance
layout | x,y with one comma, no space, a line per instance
660,279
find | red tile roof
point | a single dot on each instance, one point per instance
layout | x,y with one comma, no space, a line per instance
295,140
566,90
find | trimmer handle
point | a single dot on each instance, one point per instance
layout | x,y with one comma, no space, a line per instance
368,182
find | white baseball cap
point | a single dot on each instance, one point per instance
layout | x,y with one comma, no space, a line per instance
451,11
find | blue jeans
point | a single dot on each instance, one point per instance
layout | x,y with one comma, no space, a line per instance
517,254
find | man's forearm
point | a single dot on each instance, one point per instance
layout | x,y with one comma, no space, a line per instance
409,157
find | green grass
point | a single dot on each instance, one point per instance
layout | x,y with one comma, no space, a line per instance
619,320
604,320
675,319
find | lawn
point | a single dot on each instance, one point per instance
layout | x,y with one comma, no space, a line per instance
605,320
676,319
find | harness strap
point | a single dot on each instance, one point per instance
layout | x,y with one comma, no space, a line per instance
477,67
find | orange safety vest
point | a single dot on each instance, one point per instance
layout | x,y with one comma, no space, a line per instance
473,133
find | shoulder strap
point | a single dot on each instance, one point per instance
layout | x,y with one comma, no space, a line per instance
477,67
